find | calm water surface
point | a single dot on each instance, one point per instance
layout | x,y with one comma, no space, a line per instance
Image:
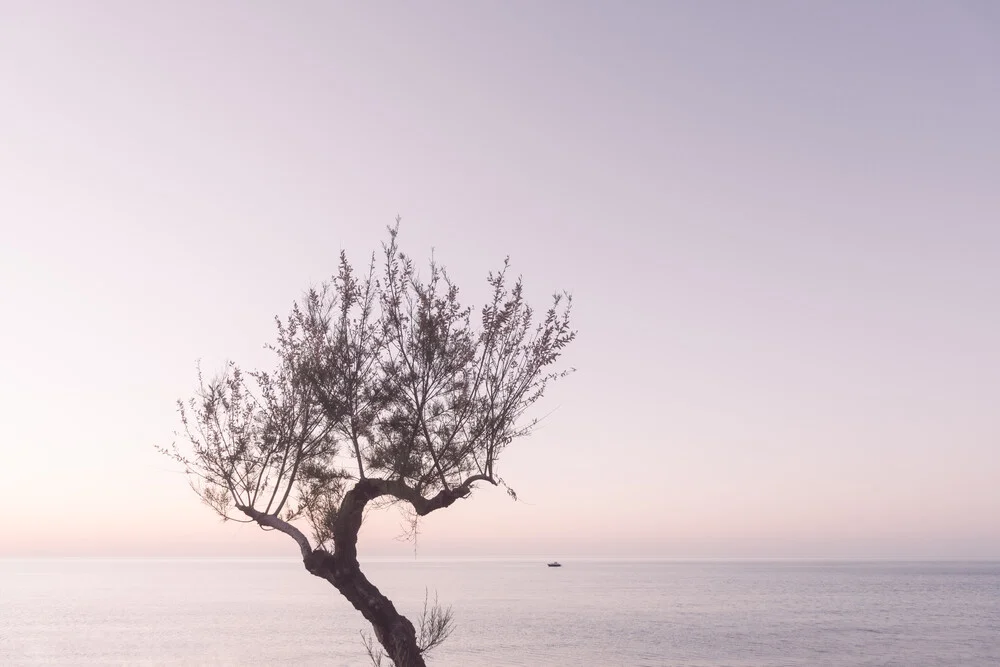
509,613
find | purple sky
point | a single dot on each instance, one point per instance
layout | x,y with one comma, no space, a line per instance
780,222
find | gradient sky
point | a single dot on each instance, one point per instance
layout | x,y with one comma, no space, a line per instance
780,222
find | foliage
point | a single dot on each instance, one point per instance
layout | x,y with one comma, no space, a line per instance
376,377
385,389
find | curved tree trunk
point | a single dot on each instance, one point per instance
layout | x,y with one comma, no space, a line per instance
393,630
341,568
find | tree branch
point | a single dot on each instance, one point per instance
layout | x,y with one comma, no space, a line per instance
352,507
271,521
424,506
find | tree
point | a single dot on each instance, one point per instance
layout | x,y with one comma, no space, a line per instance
383,392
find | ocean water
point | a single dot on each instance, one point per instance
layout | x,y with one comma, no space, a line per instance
508,613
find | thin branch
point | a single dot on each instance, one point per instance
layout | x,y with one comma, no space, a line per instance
272,521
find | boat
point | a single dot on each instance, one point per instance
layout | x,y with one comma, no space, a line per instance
555,563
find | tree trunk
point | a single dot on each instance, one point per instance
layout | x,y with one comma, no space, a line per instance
393,630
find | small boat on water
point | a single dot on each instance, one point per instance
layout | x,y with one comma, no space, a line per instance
555,563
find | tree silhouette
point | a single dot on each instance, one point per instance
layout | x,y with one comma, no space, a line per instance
384,391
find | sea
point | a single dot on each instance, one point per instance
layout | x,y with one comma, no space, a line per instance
511,613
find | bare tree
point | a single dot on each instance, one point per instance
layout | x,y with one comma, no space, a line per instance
384,391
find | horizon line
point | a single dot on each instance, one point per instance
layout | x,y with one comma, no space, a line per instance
542,558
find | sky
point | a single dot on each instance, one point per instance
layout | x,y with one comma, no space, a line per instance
780,223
